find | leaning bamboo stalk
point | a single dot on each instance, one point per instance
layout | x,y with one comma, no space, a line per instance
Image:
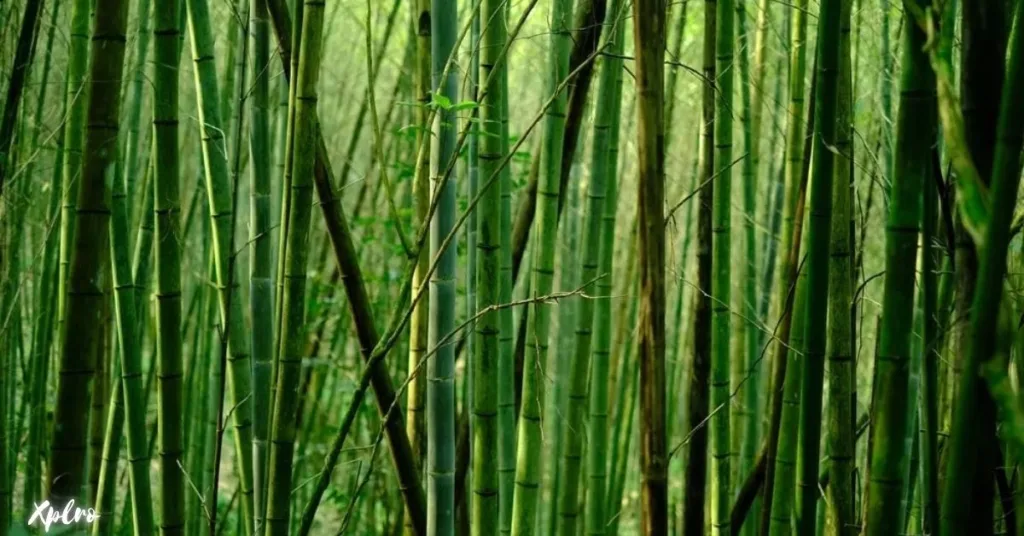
126,358
16,87
355,289
217,175
283,429
130,384
373,347
399,321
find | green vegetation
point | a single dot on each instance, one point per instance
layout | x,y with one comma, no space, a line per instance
556,267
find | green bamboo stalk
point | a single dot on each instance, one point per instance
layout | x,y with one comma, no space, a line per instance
620,358
261,289
228,74
911,441
587,26
506,341
1018,341
219,192
133,96
842,377
950,280
745,378
967,134
673,74
441,369
788,262
624,435
721,307
239,92
76,103
237,89
528,466
468,505
421,192
622,404
15,351
885,91
605,153
758,90
198,372
89,256
198,375
683,333
984,335
890,405
783,504
485,425
130,384
699,388
560,359
288,115
20,66
138,281
283,429
142,257
471,87
594,236
113,427
929,399
819,232
103,376
777,190
166,53
982,44
212,394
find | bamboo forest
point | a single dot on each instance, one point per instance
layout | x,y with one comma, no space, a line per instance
511,267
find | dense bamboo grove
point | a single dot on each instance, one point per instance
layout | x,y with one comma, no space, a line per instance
591,267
